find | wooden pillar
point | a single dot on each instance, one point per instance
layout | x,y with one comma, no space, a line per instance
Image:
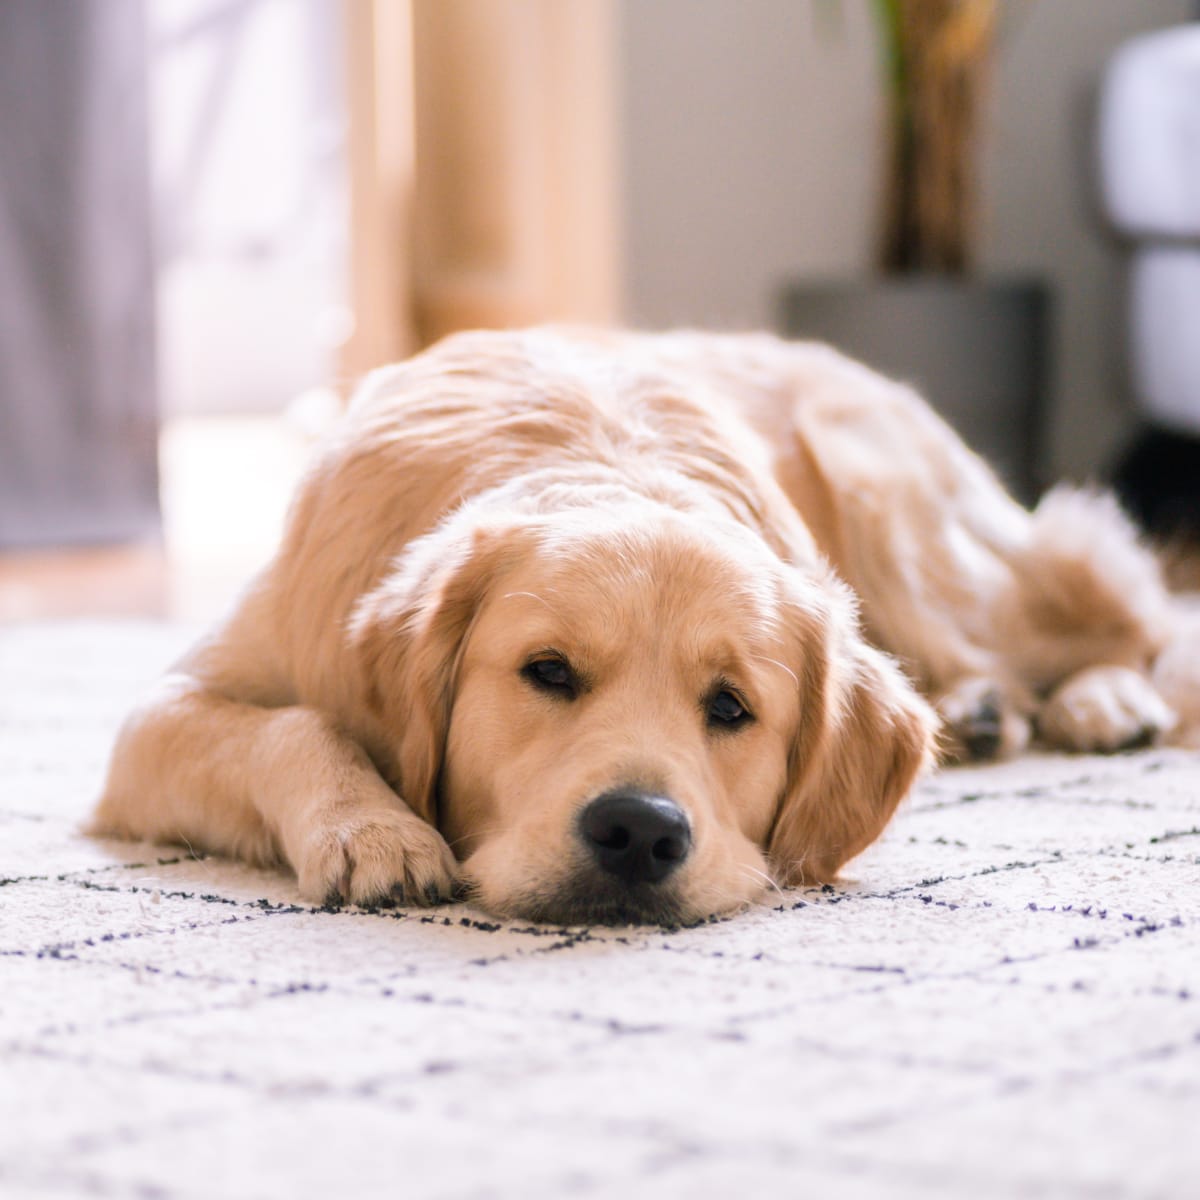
508,141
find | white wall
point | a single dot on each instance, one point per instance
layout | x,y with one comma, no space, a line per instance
752,150
750,145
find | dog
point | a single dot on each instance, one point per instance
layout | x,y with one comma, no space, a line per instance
608,627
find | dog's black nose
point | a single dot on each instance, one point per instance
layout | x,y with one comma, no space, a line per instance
638,838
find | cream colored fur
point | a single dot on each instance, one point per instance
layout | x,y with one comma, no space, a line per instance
672,514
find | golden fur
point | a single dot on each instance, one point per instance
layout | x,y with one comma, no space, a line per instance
670,518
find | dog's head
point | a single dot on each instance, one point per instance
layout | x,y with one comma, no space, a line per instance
630,715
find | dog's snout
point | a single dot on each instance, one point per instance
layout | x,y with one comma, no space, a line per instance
638,838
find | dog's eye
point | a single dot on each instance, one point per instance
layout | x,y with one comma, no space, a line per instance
552,675
726,710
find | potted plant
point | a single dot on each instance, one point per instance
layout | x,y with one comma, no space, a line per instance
975,347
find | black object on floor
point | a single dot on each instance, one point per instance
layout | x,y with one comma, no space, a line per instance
1158,481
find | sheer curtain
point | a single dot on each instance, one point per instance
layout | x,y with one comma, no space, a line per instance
78,421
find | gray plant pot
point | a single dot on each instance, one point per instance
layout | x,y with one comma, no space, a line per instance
977,350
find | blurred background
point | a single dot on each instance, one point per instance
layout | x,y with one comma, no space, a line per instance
216,215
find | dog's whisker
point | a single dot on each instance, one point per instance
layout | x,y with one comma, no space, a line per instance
530,596
480,833
776,663
755,873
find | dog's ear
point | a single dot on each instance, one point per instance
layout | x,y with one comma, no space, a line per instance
408,635
864,736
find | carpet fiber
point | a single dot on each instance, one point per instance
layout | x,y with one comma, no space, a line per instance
1002,1000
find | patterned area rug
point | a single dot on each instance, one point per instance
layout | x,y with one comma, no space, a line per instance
1003,1001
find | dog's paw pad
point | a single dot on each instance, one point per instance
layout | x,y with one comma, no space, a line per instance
979,724
376,860
1105,709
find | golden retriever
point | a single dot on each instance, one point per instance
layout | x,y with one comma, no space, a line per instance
600,627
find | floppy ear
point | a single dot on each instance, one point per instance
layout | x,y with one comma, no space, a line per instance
863,740
408,635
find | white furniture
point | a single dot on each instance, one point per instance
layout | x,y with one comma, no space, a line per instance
1149,152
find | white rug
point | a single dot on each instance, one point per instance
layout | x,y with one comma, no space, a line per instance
1006,1002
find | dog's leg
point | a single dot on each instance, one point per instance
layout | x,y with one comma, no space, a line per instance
1105,709
1092,620
262,784
919,528
980,720
985,604
1176,677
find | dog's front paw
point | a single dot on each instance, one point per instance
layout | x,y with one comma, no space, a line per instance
374,857
1105,709
978,722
